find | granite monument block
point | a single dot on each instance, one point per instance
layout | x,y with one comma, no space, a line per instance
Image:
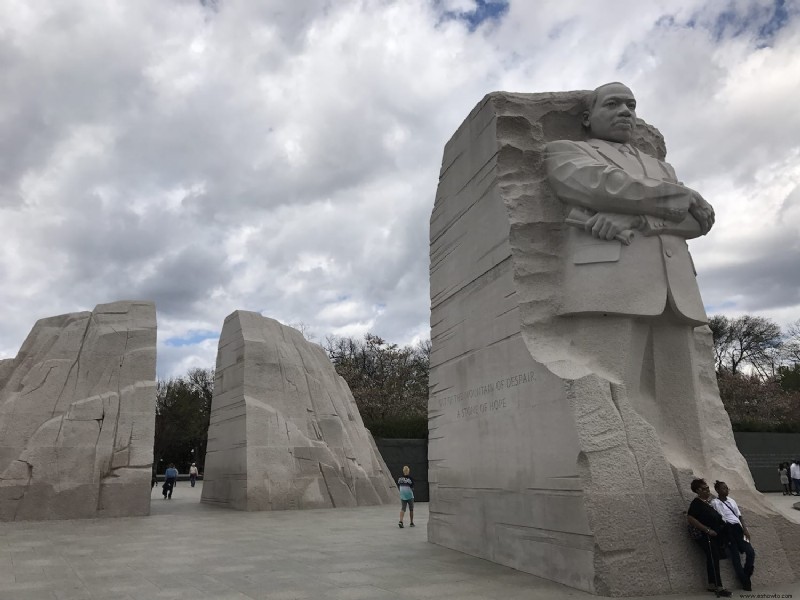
573,394
77,416
285,431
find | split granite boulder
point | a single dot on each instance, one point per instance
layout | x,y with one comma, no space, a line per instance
285,432
77,416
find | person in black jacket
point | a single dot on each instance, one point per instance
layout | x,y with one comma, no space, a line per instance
706,526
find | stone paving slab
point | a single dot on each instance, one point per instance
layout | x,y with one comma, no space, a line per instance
187,550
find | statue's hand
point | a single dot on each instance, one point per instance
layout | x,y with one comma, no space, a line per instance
606,226
702,211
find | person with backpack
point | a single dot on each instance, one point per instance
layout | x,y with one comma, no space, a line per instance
170,479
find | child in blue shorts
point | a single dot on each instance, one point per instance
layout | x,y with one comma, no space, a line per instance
406,485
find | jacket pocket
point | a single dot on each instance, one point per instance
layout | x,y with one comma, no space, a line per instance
597,253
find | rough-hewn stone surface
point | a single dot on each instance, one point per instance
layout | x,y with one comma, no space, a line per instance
77,416
536,460
285,431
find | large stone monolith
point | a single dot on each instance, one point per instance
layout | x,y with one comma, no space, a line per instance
285,431
541,458
77,416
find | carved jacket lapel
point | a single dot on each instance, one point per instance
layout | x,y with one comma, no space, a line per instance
614,156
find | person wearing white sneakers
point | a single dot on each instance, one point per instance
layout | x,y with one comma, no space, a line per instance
406,486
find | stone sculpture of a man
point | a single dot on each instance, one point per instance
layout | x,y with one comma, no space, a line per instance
628,281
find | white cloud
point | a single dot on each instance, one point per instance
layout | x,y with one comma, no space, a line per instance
283,156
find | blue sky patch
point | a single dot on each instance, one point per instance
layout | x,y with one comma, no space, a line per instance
485,10
192,338
761,21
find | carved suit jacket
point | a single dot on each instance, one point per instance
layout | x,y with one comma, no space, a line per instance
608,277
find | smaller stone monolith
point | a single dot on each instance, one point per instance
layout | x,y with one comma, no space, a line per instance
285,431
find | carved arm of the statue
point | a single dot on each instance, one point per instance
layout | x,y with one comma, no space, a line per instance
580,179
698,222
605,226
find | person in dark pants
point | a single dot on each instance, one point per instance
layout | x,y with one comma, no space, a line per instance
738,535
706,526
794,475
193,474
170,478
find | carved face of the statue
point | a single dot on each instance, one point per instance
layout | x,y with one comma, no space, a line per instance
613,116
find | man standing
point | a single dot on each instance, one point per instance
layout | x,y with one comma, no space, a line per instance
628,281
193,474
794,473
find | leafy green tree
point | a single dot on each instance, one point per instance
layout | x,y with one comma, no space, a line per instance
183,411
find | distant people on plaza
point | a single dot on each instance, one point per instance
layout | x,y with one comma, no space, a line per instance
738,536
794,474
406,486
153,480
705,527
170,479
783,472
193,474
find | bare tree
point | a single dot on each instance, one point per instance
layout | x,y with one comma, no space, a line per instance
305,329
747,340
791,343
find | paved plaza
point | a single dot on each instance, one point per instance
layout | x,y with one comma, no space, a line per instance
189,550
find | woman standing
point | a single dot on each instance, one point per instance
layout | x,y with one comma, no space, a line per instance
705,527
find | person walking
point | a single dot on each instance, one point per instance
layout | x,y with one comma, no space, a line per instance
170,479
406,486
193,474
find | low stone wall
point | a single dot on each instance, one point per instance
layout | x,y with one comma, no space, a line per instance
763,452
399,452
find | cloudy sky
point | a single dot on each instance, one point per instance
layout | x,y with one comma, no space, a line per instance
282,156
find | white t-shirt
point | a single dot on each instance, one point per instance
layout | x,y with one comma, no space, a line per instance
794,471
729,510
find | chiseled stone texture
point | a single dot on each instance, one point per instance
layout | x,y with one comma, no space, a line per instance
285,431
536,461
77,416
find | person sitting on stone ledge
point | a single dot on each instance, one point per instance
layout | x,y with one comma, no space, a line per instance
738,536
705,527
